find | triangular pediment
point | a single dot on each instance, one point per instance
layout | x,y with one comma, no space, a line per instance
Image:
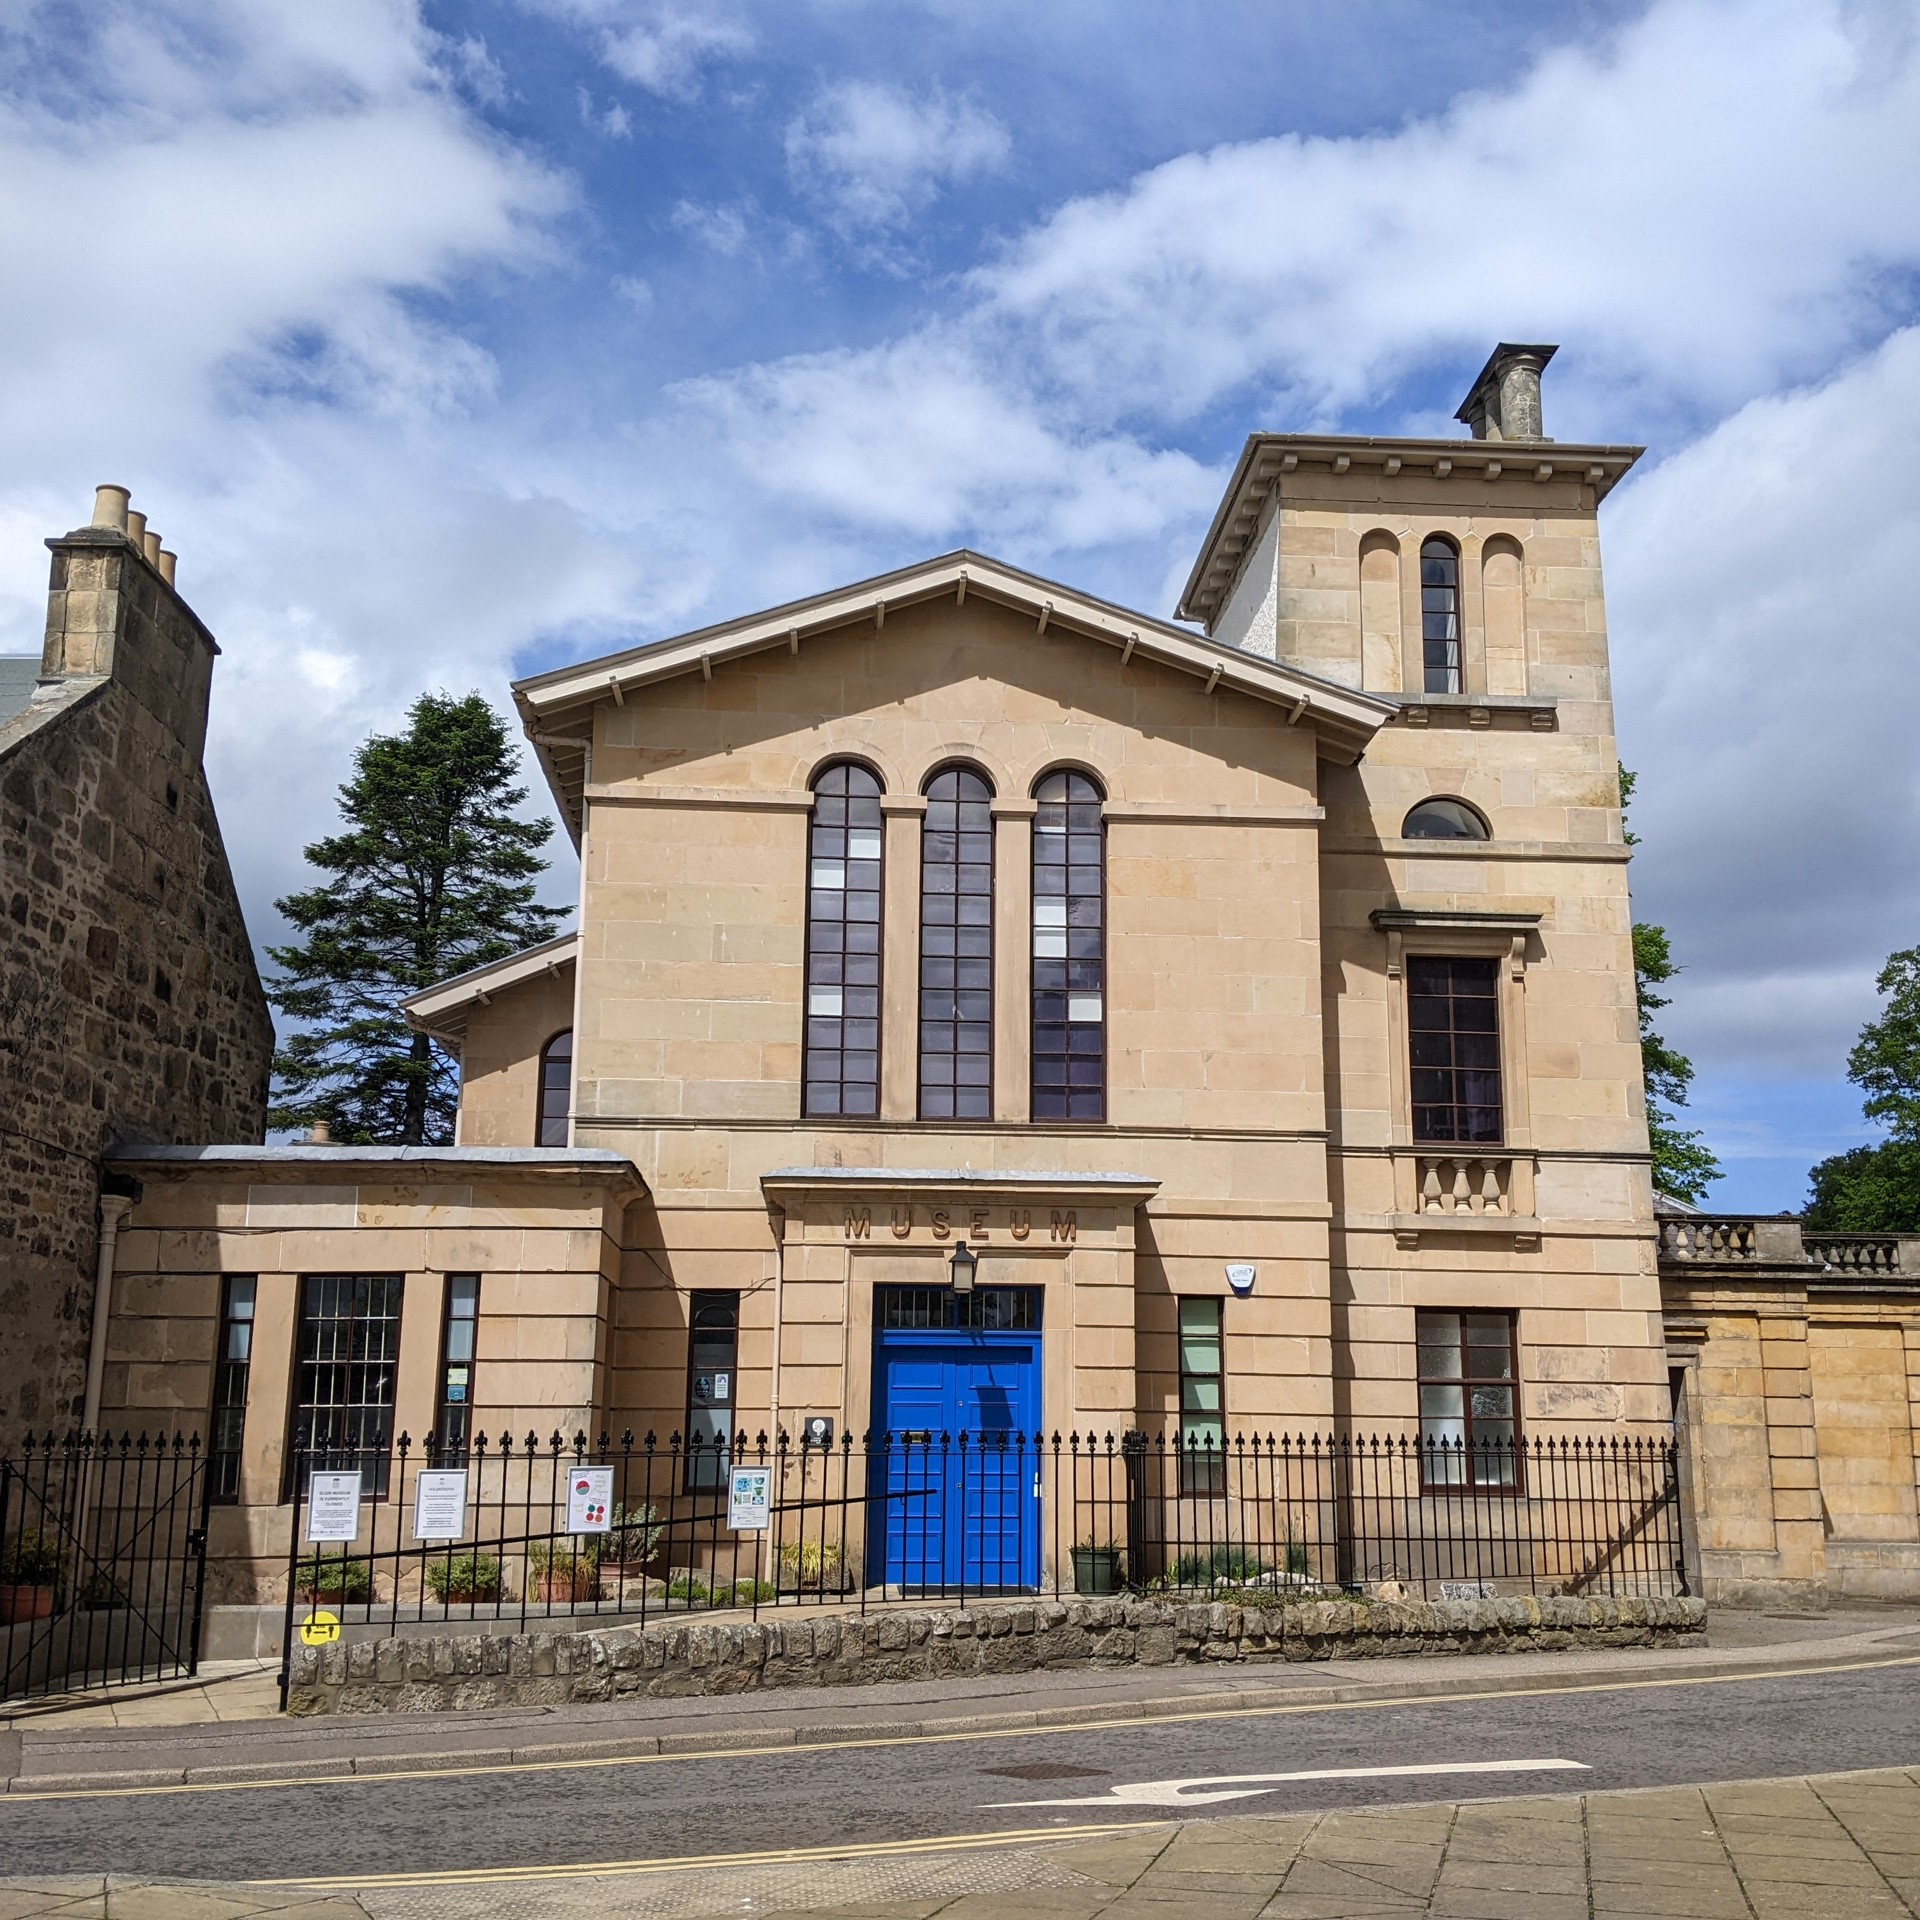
557,707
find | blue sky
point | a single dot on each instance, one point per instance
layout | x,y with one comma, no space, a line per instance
448,341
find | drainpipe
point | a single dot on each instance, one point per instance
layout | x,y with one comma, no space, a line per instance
113,1210
779,1218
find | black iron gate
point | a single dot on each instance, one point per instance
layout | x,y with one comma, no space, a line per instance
103,1557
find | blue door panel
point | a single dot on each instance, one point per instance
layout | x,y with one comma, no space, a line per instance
957,1514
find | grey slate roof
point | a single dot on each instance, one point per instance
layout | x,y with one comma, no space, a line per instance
18,673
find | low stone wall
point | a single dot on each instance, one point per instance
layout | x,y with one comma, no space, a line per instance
736,1655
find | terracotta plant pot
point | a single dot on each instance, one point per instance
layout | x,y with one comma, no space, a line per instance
569,1587
25,1603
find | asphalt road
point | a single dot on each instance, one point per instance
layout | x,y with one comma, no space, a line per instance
1649,1734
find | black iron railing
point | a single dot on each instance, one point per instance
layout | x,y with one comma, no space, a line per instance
636,1529
102,1561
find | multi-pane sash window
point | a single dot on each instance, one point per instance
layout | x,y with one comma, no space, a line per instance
1203,1405
1468,1430
712,1386
1440,615
843,944
556,1090
956,948
453,1419
1453,1021
232,1365
348,1355
1069,951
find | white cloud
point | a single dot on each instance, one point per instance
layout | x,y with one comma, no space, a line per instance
721,230
1766,642
611,120
660,45
877,155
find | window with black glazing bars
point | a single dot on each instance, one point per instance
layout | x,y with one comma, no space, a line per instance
713,1368
1468,1423
1069,1041
556,1090
1453,1025
1203,1401
232,1371
460,1322
1440,615
344,1371
844,840
956,948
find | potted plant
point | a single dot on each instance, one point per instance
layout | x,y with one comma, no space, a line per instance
1096,1567
631,1543
32,1565
333,1580
465,1578
563,1573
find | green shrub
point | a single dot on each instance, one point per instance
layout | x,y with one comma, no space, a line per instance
465,1578
688,1586
746,1592
634,1538
102,1592
32,1559
812,1566
1218,1566
334,1573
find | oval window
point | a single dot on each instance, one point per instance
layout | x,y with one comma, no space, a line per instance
1444,820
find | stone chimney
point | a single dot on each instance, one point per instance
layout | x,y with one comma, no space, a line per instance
1504,403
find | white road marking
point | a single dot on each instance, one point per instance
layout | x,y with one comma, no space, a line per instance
1205,1789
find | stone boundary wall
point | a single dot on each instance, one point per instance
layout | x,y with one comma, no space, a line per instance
451,1674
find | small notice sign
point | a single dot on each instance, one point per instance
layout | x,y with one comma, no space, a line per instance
590,1500
319,1629
440,1504
333,1506
749,1496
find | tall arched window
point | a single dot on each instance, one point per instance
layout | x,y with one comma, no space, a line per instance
556,1090
1069,951
956,948
1440,614
843,944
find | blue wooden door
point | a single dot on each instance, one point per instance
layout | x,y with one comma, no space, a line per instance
960,1476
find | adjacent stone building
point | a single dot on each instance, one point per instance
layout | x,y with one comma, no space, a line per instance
130,1006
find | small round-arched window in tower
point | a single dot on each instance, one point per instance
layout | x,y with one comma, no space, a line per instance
1444,820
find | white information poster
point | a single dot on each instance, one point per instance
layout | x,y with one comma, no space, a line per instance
590,1500
749,1495
440,1504
333,1506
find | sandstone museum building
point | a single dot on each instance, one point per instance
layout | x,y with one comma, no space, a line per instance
993,1010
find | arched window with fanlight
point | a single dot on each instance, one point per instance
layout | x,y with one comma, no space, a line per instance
956,948
1440,614
844,844
556,1090
1069,1044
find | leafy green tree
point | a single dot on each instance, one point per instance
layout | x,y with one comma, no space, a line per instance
1876,1188
433,874
1684,1166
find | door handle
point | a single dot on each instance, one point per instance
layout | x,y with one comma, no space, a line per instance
1036,1483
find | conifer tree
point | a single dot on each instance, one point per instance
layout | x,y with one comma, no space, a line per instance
432,874
1684,1165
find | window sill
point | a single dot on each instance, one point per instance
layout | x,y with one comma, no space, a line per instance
1523,1230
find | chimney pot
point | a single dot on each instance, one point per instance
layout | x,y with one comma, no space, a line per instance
110,508
166,564
1504,401
136,530
321,1136
150,546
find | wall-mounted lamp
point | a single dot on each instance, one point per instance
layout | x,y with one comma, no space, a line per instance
963,1263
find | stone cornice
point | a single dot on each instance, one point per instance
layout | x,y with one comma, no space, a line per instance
556,708
442,1008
